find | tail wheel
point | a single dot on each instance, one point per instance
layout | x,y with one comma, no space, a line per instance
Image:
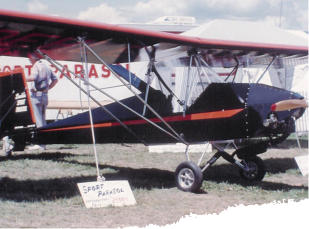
256,169
189,177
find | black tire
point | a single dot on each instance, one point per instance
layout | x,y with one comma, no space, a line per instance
188,177
257,168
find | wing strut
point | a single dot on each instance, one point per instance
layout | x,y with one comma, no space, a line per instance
234,71
129,59
155,71
196,62
148,81
187,87
85,64
60,67
272,61
174,134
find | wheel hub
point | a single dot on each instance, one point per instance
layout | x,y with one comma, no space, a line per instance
186,178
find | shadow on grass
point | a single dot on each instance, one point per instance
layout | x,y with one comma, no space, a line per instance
144,178
45,156
66,187
230,173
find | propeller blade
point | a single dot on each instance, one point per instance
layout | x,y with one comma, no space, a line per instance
289,104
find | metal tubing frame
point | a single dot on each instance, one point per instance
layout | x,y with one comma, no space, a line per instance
148,74
161,81
198,64
177,136
203,154
55,63
203,62
129,58
235,69
192,81
272,61
213,159
187,92
215,144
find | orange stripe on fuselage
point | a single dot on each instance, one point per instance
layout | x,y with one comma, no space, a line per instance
178,118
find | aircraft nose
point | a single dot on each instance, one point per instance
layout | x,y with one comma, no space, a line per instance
266,99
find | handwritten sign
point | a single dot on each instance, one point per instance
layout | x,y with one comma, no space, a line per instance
106,193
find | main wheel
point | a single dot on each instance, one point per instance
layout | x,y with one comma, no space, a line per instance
256,169
188,176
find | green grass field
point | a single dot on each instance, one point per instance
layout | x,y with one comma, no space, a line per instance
38,189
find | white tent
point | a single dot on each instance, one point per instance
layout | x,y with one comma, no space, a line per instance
248,31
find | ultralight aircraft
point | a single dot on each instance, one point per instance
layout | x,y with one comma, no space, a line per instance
204,108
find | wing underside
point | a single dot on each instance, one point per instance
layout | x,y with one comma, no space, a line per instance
21,33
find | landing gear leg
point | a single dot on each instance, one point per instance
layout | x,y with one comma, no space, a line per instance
189,176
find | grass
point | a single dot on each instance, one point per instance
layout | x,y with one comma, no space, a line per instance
38,189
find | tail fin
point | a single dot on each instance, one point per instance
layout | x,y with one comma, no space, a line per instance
15,104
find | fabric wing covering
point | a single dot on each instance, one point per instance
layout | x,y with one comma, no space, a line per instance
22,33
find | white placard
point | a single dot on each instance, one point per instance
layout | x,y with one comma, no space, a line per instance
106,193
302,162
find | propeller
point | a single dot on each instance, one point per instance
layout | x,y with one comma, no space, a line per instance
289,104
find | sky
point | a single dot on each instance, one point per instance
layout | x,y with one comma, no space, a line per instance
294,13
